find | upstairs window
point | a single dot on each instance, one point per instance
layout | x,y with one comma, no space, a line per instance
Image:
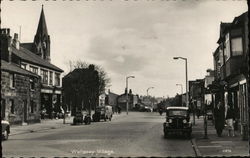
57,79
34,69
24,66
227,47
237,47
50,77
12,81
44,76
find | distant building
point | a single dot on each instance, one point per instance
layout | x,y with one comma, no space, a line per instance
122,100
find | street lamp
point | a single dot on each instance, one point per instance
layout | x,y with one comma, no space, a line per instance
175,58
127,91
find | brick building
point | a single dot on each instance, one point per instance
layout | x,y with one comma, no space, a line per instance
231,69
35,58
20,89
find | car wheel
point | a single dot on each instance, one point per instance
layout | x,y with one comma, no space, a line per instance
5,135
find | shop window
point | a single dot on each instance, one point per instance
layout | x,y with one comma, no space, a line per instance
12,106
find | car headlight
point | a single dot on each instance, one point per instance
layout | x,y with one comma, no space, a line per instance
184,121
170,121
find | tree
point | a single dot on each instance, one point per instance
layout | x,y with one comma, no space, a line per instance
104,80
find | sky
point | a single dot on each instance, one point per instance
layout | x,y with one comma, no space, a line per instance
129,37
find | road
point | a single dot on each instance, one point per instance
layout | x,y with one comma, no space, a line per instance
138,134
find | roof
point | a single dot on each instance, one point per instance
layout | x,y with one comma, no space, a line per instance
30,57
27,46
42,27
14,68
177,108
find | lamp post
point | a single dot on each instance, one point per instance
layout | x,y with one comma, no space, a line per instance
187,101
127,91
147,94
181,91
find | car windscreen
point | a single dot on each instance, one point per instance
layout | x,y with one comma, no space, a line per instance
177,113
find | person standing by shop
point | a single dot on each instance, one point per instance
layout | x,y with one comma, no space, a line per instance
219,119
230,117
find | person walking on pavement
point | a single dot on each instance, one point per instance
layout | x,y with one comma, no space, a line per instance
230,120
219,119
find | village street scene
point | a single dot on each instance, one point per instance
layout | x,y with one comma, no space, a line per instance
125,78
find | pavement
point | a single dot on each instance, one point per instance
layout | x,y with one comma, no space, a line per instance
214,145
47,124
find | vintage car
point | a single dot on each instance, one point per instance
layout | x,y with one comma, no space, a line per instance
177,121
5,129
103,112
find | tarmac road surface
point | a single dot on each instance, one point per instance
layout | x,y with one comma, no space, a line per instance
136,134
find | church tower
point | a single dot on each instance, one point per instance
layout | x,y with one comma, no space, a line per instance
41,44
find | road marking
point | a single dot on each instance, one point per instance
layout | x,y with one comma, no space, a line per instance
210,146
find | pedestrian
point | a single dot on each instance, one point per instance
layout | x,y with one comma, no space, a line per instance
230,120
219,118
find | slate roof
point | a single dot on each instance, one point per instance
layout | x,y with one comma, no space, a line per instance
30,57
15,68
27,46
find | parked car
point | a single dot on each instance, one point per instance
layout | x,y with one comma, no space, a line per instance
78,118
103,112
177,121
5,129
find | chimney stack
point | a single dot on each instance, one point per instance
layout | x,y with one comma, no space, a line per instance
5,44
16,42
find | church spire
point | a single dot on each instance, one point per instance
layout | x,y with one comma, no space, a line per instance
42,39
42,27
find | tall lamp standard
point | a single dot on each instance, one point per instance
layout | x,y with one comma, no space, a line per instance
147,94
127,91
181,91
187,101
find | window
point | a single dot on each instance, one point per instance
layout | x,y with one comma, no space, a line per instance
32,84
44,76
57,79
32,106
12,106
50,77
227,47
23,66
34,69
237,48
12,80
3,107
221,61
